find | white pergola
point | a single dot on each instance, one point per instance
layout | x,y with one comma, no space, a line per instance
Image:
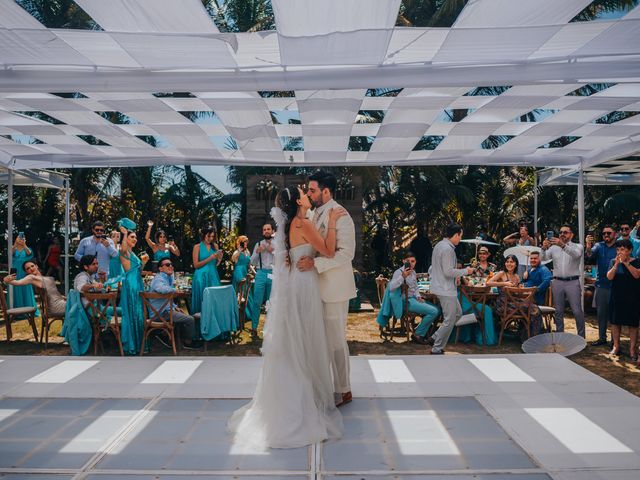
514,75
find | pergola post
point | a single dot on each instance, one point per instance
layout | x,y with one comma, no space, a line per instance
581,225
67,222
10,229
535,204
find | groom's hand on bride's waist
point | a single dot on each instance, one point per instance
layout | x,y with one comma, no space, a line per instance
305,263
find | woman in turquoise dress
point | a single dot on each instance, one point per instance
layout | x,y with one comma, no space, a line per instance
161,248
206,258
115,267
23,295
241,259
132,317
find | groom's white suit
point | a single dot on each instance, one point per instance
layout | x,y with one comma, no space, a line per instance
337,286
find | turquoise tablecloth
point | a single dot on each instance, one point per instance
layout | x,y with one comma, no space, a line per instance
219,312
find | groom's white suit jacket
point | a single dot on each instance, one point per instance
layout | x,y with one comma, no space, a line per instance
336,274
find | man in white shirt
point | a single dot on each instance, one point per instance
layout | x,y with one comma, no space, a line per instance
566,257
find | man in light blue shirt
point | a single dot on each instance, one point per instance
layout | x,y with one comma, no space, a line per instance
444,274
603,252
163,283
99,245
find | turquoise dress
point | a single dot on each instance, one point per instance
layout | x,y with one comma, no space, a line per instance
131,304
205,276
115,267
469,333
240,270
23,295
161,255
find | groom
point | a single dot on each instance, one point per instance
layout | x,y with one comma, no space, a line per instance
336,282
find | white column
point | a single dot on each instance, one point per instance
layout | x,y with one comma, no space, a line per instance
10,229
535,203
581,225
67,221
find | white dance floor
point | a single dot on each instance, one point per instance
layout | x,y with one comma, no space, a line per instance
453,417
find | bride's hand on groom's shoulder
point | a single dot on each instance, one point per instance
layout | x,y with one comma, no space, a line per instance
336,213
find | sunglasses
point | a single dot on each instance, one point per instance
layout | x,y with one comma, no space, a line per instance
98,230
564,232
167,265
625,229
607,233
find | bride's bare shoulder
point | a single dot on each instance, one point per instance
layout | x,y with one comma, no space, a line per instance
301,223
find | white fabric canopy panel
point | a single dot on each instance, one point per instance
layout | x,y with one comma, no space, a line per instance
615,172
336,83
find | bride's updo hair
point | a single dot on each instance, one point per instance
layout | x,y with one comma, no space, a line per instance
287,202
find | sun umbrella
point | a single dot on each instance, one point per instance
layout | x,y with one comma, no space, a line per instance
477,242
522,252
564,343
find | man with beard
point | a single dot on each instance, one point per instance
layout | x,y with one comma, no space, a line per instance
262,260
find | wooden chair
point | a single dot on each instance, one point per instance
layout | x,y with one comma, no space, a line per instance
242,294
381,287
517,308
547,311
154,320
11,314
477,297
101,318
46,318
408,319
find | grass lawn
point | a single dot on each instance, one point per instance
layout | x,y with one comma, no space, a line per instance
362,335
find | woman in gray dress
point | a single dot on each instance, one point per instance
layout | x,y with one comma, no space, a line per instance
56,301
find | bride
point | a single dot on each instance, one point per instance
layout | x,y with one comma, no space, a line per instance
293,403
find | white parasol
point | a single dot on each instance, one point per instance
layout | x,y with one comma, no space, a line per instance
477,242
563,343
522,253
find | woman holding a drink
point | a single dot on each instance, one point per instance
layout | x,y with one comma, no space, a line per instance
132,285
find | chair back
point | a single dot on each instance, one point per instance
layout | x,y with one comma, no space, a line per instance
153,316
518,302
3,303
43,301
242,292
548,297
404,290
99,303
381,286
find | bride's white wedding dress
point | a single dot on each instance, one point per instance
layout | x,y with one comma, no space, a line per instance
293,403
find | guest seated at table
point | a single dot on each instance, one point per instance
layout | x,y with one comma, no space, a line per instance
539,276
521,237
393,303
206,257
86,281
484,267
163,283
163,247
509,278
241,259
55,300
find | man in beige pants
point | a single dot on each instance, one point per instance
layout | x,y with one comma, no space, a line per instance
336,283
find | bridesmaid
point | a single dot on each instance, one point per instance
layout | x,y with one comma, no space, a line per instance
115,267
161,249
206,257
22,295
132,285
241,259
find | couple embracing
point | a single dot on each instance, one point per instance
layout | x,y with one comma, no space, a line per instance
305,370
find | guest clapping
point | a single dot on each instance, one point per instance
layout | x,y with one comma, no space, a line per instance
624,274
241,259
206,257
163,247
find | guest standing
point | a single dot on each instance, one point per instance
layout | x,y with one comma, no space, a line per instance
241,260
521,237
566,257
99,245
624,274
115,266
206,258
22,295
52,259
262,261
130,302
162,247
443,284
604,253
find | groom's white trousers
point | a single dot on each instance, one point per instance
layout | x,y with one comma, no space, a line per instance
335,324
